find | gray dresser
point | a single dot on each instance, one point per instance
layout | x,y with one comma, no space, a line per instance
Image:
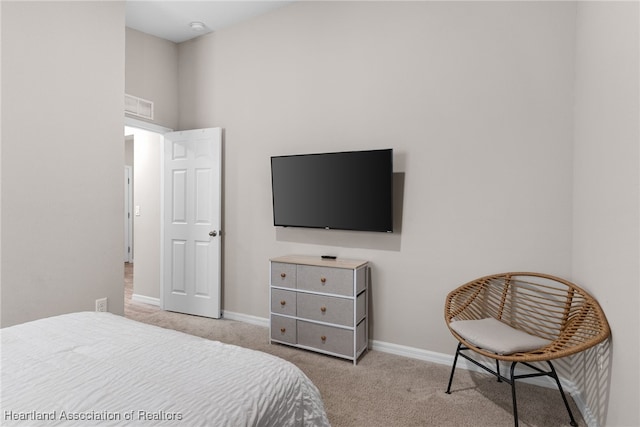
320,305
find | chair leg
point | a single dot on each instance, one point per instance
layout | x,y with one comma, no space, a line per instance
512,380
564,398
513,394
453,368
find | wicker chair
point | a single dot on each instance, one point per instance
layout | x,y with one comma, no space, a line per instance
523,318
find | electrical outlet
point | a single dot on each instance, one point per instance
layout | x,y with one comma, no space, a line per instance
101,305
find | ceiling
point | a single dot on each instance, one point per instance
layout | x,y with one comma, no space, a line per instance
171,20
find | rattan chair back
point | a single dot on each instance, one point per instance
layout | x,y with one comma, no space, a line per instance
542,305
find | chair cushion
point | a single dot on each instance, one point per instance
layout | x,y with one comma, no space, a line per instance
497,337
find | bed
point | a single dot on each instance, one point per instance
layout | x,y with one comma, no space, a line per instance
105,370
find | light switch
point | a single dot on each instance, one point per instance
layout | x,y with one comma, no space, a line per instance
137,210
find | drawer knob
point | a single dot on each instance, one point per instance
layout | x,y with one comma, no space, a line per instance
283,303
323,279
283,275
323,309
283,330
323,338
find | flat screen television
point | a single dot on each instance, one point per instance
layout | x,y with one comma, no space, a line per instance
346,190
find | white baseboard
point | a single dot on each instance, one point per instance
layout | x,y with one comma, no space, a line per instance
145,299
253,320
447,359
413,353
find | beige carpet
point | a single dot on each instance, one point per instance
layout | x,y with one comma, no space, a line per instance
382,390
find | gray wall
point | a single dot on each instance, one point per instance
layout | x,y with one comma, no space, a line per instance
62,157
475,99
152,74
606,202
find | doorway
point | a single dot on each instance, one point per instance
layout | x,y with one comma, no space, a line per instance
143,148
177,173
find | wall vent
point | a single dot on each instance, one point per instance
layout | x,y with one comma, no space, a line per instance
138,106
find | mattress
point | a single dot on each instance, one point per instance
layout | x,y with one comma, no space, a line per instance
101,369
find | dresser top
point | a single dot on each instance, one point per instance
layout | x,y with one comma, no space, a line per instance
320,262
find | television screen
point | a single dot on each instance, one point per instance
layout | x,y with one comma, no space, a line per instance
347,190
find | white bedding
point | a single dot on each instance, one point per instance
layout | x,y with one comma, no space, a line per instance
101,369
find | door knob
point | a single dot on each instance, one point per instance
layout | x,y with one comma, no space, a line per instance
213,233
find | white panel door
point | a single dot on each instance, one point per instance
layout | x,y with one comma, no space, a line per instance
191,280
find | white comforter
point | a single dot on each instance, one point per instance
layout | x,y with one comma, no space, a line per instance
101,369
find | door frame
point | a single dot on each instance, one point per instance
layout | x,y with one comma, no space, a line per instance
128,215
161,130
140,124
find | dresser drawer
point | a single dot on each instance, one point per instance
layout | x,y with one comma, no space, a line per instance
283,275
283,302
322,308
329,280
283,329
326,338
